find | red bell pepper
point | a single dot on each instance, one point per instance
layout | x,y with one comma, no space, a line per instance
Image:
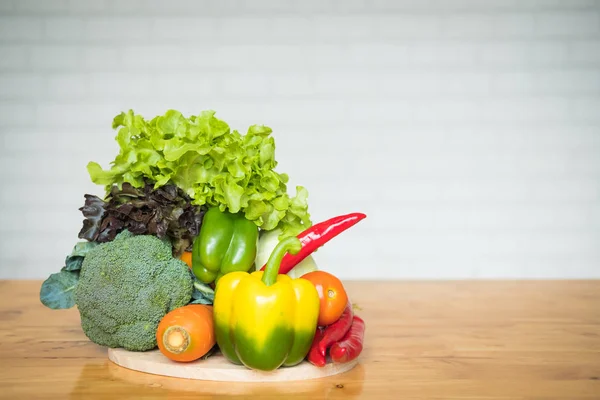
337,330
316,236
351,344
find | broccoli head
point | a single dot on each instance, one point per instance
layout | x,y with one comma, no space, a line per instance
125,288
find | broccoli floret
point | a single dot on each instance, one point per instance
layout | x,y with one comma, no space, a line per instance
125,288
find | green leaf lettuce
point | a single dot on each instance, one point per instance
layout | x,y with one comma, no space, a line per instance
212,164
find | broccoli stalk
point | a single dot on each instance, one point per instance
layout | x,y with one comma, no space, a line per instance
125,288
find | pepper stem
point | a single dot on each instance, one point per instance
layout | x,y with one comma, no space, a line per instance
290,245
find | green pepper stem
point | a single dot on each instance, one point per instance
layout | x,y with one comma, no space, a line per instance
290,245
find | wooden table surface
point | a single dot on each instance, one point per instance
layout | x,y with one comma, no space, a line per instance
424,340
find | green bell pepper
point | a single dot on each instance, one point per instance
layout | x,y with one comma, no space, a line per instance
227,242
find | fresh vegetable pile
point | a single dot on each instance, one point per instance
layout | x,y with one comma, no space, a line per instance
196,248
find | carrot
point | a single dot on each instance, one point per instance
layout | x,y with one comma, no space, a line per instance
186,257
186,333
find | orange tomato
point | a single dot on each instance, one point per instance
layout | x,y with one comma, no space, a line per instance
332,295
186,333
186,257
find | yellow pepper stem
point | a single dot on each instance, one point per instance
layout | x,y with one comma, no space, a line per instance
290,245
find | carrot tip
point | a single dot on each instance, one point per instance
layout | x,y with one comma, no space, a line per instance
176,339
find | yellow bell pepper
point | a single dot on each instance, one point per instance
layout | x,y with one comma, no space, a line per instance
265,320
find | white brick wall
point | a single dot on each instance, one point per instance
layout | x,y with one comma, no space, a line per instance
467,130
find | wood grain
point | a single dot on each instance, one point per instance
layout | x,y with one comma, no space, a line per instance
217,368
424,340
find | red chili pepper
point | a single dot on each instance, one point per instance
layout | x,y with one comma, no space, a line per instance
314,355
351,344
337,330
316,236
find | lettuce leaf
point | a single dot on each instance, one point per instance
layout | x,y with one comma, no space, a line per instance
93,211
165,212
212,164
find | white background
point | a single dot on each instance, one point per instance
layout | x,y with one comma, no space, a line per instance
467,131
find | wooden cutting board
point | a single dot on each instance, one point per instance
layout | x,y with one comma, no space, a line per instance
218,368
